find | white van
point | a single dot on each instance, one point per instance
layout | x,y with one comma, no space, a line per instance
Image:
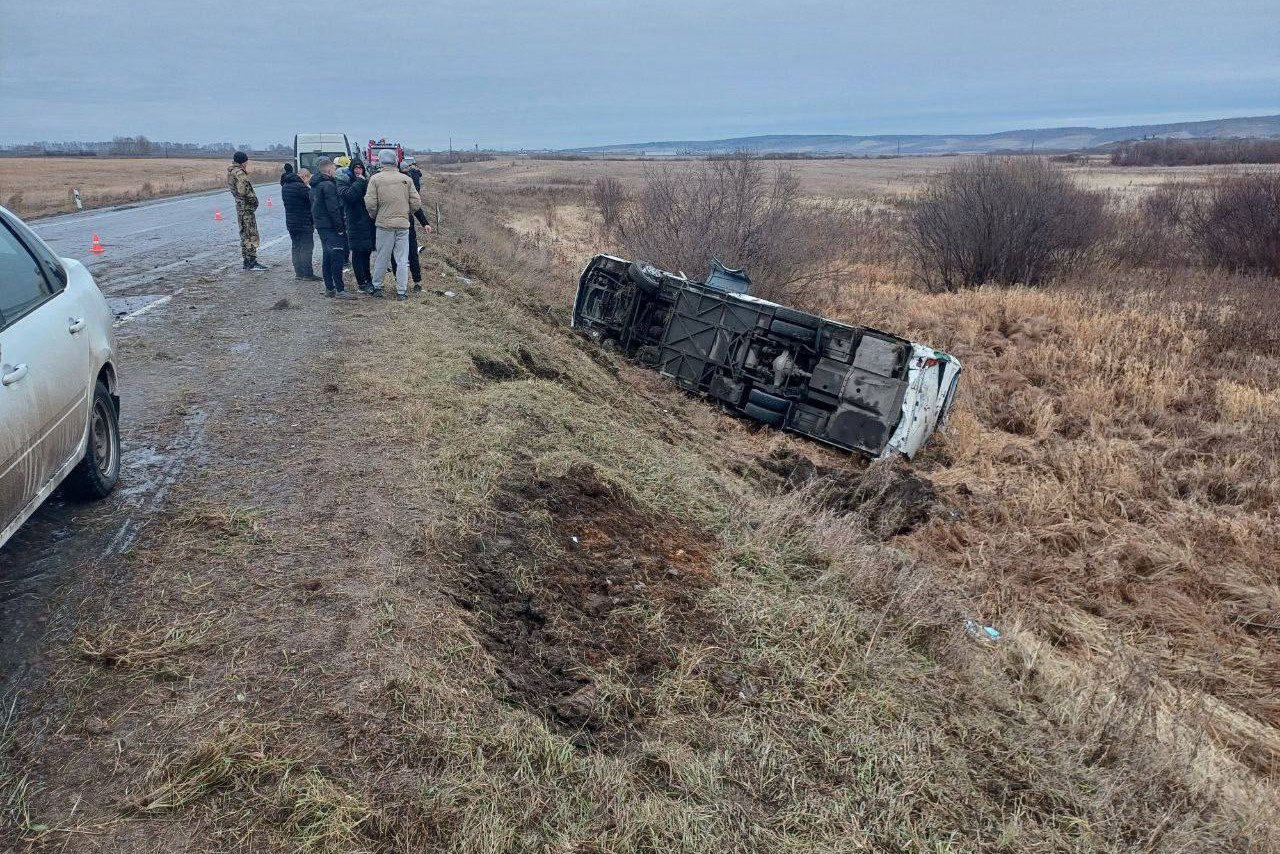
310,147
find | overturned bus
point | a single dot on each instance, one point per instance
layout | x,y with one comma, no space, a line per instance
852,387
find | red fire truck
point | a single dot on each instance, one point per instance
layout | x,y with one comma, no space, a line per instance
371,153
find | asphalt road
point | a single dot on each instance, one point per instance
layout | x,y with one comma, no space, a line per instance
174,277
147,243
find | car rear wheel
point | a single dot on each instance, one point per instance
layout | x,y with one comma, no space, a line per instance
99,472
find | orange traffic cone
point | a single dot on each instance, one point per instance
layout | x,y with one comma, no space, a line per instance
217,214
96,248
269,202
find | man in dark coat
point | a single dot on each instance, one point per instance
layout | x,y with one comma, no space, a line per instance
326,212
360,228
296,196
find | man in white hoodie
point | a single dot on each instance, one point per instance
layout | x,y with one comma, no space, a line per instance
391,199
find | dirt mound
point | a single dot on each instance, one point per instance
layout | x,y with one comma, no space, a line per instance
578,627
889,495
525,364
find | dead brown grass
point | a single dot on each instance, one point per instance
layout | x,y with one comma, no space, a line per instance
1114,465
39,186
815,691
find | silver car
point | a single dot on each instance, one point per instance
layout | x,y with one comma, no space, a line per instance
59,406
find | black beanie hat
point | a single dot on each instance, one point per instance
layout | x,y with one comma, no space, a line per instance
240,157
288,167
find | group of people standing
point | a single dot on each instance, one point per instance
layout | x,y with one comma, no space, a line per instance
357,216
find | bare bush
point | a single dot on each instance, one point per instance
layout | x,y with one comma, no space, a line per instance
1155,230
609,197
1230,222
1236,223
1007,220
738,211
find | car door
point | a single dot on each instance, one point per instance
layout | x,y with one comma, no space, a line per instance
44,372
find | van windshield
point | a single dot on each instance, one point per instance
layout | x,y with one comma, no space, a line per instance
307,159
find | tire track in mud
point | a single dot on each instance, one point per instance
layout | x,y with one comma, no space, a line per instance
153,473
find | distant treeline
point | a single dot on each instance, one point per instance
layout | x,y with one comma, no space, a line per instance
138,146
726,155
458,157
1196,152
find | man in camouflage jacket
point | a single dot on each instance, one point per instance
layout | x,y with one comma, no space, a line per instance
246,209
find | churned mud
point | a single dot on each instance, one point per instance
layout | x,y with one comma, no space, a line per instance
582,597
893,498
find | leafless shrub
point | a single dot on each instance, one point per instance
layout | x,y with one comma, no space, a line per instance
1155,231
14,202
1006,220
1230,222
1236,223
738,211
609,197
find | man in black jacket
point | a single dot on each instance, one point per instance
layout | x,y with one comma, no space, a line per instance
326,211
360,228
296,196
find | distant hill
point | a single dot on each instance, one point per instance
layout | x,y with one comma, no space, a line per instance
1042,139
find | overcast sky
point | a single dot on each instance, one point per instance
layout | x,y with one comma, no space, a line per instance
559,73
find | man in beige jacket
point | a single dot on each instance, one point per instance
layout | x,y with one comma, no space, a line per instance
391,199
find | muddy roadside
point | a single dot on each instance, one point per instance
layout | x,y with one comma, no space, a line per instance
200,371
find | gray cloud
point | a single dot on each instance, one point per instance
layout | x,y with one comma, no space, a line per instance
560,73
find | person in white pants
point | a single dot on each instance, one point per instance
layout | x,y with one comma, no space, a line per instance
391,199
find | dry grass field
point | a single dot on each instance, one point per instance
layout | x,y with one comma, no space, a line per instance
39,186
824,179
609,618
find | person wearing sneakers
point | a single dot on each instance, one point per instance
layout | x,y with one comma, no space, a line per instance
390,200
246,209
326,211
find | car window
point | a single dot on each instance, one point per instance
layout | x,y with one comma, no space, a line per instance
23,285
52,266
